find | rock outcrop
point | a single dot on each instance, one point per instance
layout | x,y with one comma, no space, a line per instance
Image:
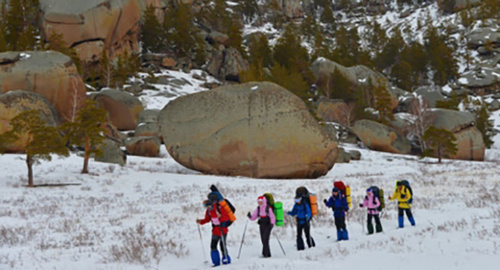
256,129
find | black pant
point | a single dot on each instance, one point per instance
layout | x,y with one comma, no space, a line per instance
223,246
340,223
378,225
402,210
265,227
306,227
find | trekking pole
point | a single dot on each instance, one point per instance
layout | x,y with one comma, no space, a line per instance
242,238
202,246
223,239
279,242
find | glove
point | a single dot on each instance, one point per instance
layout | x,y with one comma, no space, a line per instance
198,220
249,215
390,198
289,213
360,205
325,201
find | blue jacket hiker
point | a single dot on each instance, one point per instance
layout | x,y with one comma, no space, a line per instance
303,213
338,203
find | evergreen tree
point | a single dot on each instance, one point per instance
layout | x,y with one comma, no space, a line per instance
151,31
235,35
290,80
441,57
254,74
485,125
3,27
327,15
441,143
41,140
402,73
260,51
180,29
416,56
383,102
15,23
87,130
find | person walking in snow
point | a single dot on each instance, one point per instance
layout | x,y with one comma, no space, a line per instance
372,203
338,203
303,213
267,220
403,195
220,221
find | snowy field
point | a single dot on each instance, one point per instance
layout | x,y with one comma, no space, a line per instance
142,216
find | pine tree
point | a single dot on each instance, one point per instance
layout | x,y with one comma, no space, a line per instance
260,51
441,143
402,73
14,23
254,74
235,35
441,57
485,125
383,102
327,15
290,54
151,31
41,140
181,32
87,130
451,103
290,80
3,27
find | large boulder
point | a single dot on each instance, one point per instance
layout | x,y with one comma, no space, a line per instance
256,129
90,25
123,108
112,153
51,74
143,146
430,94
356,75
16,102
380,137
227,64
470,142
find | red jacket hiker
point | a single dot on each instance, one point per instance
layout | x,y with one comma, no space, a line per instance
219,218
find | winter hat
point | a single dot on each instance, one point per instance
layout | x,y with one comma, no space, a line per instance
260,199
207,203
335,190
369,190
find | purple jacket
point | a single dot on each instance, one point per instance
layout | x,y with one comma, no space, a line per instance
371,202
263,211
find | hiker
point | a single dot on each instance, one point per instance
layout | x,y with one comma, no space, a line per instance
372,203
267,220
338,203
303,213
219,217
403,194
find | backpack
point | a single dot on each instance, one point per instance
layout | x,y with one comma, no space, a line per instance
345,189
224,203
379,193
309,198
277,209
406,184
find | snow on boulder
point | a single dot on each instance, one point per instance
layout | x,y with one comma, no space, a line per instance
256,129
51,74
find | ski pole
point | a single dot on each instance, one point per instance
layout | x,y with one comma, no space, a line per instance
202,246
279,242
242,238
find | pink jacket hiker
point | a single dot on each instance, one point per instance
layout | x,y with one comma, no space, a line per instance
372,203
263,211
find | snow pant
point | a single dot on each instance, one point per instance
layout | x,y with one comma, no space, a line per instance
401,212
265,227
223,246
378,225
306,227
341,228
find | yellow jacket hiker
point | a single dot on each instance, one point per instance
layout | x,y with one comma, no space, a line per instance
404,195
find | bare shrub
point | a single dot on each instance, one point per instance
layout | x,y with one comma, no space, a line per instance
139,246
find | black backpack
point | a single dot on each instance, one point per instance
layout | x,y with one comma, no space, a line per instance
406,184
379,193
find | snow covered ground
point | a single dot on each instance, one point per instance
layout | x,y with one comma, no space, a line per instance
142,216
